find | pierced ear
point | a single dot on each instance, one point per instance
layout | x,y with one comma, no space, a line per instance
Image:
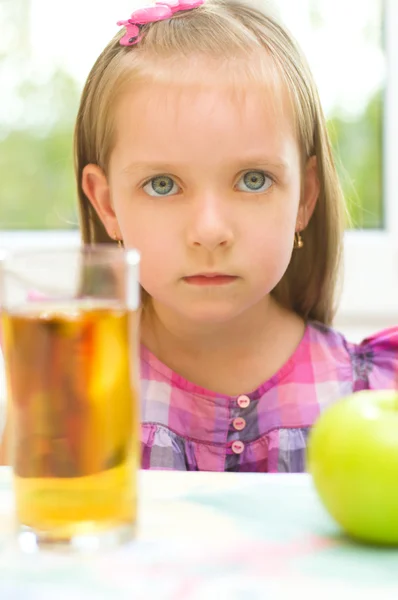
310,194
95,186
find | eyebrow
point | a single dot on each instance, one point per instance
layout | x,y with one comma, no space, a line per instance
153,166
246,163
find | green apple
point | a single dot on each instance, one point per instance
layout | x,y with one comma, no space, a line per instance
353,458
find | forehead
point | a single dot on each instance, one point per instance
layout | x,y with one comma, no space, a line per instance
237,74
195,100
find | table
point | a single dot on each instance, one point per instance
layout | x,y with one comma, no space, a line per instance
232,536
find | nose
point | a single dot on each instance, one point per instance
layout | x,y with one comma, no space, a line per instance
211,223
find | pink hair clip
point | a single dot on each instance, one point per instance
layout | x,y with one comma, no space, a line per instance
158,12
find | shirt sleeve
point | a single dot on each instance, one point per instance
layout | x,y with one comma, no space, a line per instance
376,361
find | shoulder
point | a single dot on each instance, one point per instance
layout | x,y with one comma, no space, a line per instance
328,346
374,360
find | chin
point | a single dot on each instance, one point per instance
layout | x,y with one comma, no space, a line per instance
208,314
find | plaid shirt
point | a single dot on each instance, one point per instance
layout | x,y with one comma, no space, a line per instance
186,427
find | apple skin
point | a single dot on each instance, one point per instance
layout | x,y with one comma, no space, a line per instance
352,455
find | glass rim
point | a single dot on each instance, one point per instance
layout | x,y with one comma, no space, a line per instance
130,256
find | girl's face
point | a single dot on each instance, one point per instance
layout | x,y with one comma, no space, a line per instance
208,186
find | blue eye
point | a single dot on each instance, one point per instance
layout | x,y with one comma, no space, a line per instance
162,185
254,181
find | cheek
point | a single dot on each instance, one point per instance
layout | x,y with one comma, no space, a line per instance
149,235
139,228
271,246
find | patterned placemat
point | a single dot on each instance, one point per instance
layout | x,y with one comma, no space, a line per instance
206,535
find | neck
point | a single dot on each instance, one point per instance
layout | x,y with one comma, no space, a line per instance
224,357
159,325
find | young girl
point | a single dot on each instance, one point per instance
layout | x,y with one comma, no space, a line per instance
200,140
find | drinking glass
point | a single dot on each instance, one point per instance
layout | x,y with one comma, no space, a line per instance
70,342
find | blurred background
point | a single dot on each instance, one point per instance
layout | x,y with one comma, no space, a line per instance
47,49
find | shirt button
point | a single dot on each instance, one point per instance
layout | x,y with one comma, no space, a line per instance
243,401
239,423
237,447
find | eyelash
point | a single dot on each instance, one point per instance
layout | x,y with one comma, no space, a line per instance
266,176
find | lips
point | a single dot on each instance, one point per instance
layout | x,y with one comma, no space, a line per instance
210,279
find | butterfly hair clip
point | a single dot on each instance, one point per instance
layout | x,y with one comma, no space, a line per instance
150,14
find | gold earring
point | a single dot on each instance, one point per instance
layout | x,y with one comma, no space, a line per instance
118,240
298,241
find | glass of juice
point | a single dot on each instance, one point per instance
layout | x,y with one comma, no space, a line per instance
70,342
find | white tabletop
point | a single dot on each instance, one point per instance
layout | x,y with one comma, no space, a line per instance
209,535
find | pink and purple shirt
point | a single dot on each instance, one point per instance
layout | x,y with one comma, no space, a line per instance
186,427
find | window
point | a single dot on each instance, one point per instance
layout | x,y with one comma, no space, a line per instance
352,47
347,58
43,64
370,296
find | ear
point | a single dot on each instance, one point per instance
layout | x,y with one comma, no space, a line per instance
310,193
95,186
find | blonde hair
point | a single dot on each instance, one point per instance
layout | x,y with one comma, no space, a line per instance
227,28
